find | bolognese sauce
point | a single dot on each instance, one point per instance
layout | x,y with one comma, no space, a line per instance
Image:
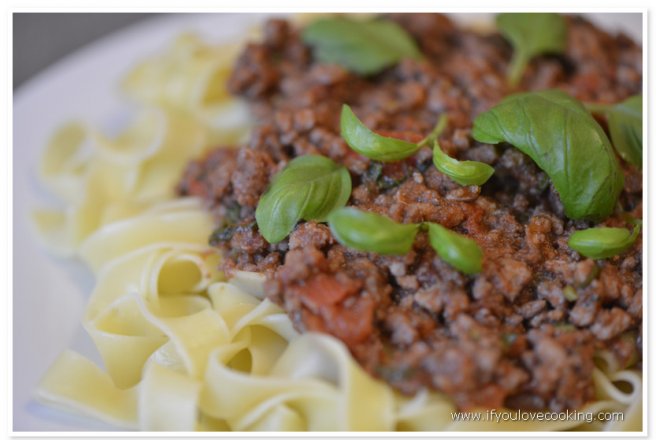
523,332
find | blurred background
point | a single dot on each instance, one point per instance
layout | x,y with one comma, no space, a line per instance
42,38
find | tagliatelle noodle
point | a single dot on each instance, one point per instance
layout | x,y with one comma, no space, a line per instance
184,110
192,75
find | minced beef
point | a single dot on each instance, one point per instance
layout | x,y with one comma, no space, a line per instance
512,335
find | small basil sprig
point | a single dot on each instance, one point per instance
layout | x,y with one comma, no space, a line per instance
603,242
364,47
531,34
436,131
309,188
459,251
382,148
370,144
565,141
370,232
466,172
625,127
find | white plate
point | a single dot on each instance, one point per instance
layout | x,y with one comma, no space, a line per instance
49,293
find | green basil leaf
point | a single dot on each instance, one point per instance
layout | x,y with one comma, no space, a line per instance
309,188
564,140
370,232
466,172
531,34
435,133
364,47
459,251
603,242
370,144
625,126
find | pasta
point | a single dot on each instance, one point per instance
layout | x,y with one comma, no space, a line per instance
106,178
183,348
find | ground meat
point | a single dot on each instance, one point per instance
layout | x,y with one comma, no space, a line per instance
251,176
257,75
610,323
585,310
523,332
531,308
310,234
554,351
211,177
511,276
552,291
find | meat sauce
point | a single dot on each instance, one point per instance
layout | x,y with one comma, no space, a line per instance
512,335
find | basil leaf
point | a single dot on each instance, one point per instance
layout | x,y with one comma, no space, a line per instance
625,126
436,131
564,140
309,188
459,251
531,34
370,144
603,242
364,47
370,232
466,172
